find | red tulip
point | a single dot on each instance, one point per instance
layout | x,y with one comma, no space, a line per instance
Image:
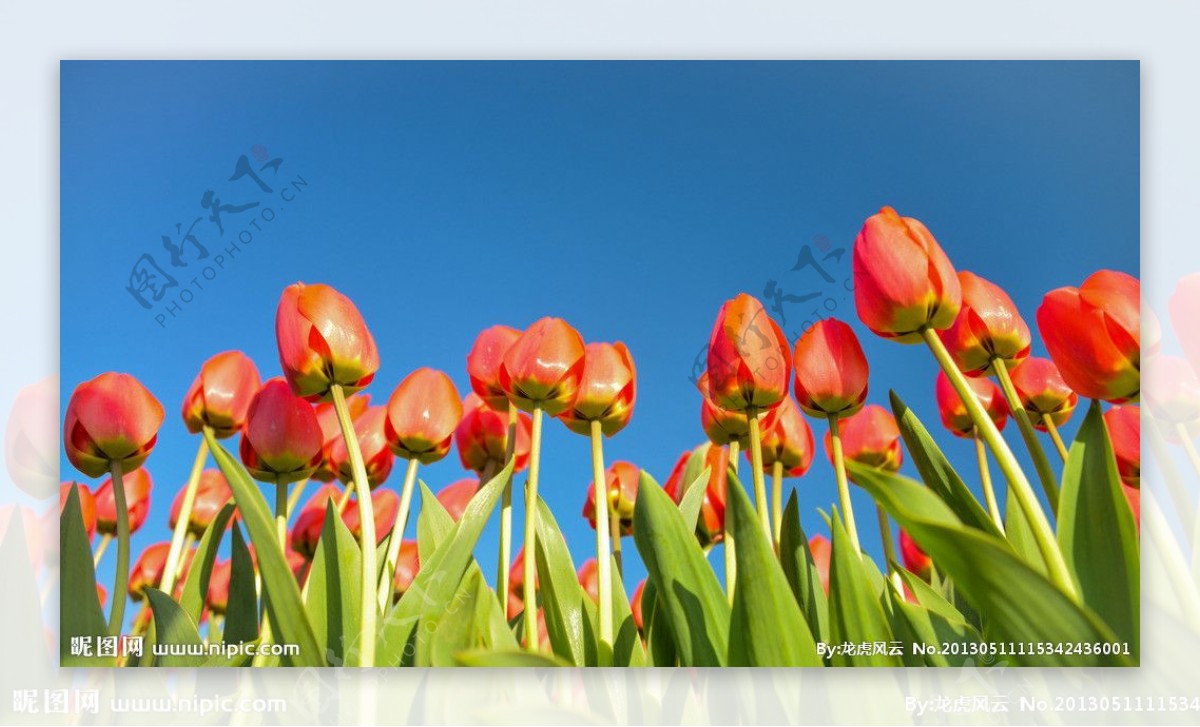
87,505
1125,433
385,505
711,525
635,605
323,340
456,496
220,396
483,365
421,416
148,570
1184,309
870,438
516,585
988,327
915,560
723,426
307,529
544,367
607,391
831,370
1043,392
282,440
218,586
212,492
589,578
903,281
370,429
954,412
1172,392
331,431
788,441
137,485
821,550
748,358
1133,496
621,484
482,437
408,565
112,418
1092,333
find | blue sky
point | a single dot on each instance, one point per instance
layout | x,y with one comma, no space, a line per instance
631,199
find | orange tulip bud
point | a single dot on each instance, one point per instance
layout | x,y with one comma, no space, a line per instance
589,578
516,585
212,492
821,550
148,570
621,484
137,485
421,416
408,565
218,586
323,340
385,506
1043,393
482,437
370,428
749,363
711,526
788,441
1092,333
870,438
282,439
635,605
954,412
988,327
112,418
831,370
915,560
307,529
607,390
544,367
903,281
1125,432
220,396
483,364
723,426
87,505
331,431
1133,496
456,496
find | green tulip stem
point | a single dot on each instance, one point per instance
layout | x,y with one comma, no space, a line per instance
101,547
175,553
614,524
116,617
734,451
366,641
1040,463
843,485
756,466
504,558
603,532
777,501
1056,566
985,476
397,537
889,547
529,598
1055,436
294,497
727,536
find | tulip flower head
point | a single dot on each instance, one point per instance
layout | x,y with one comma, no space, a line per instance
137,500
607,390
220,396
147,571
544,367
422,415
821,550
371,430
903,281
635,605
831,370
788,441
87,505
988,327
282,439
1125,433
307,529
483,365
915,560
589,578
1043,393
723,426
749,363
1093,335
954,412
710,529
408,565
385,505
218,586
870,438
111,418
456,496
516,585
323,340
482,437
621,484
331,432
212,492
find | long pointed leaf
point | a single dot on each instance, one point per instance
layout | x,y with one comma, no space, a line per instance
334,599
195,587
80,615
855,613
801,571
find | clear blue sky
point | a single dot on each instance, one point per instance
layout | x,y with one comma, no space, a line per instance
631,199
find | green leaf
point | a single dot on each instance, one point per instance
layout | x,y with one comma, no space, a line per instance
690,595
801,571
434,524
936,471
570,614
473,622
916,624
80,615
627,645
241,611
658,633
195,587
855,613
334,596
1019,533
1016,602
284,605
426,599
491,658
929,598
693,498
1096,530
762,601
175,630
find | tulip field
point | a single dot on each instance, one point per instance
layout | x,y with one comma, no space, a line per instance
339,555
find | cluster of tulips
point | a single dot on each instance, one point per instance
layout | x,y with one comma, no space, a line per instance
338,577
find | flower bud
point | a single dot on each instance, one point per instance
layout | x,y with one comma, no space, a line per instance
137,485
955,416
988,327
282,439
112,418
370,429
422,414
483,365
544,367
607,390
748,358
220,396
831,370
323,340
1043,393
